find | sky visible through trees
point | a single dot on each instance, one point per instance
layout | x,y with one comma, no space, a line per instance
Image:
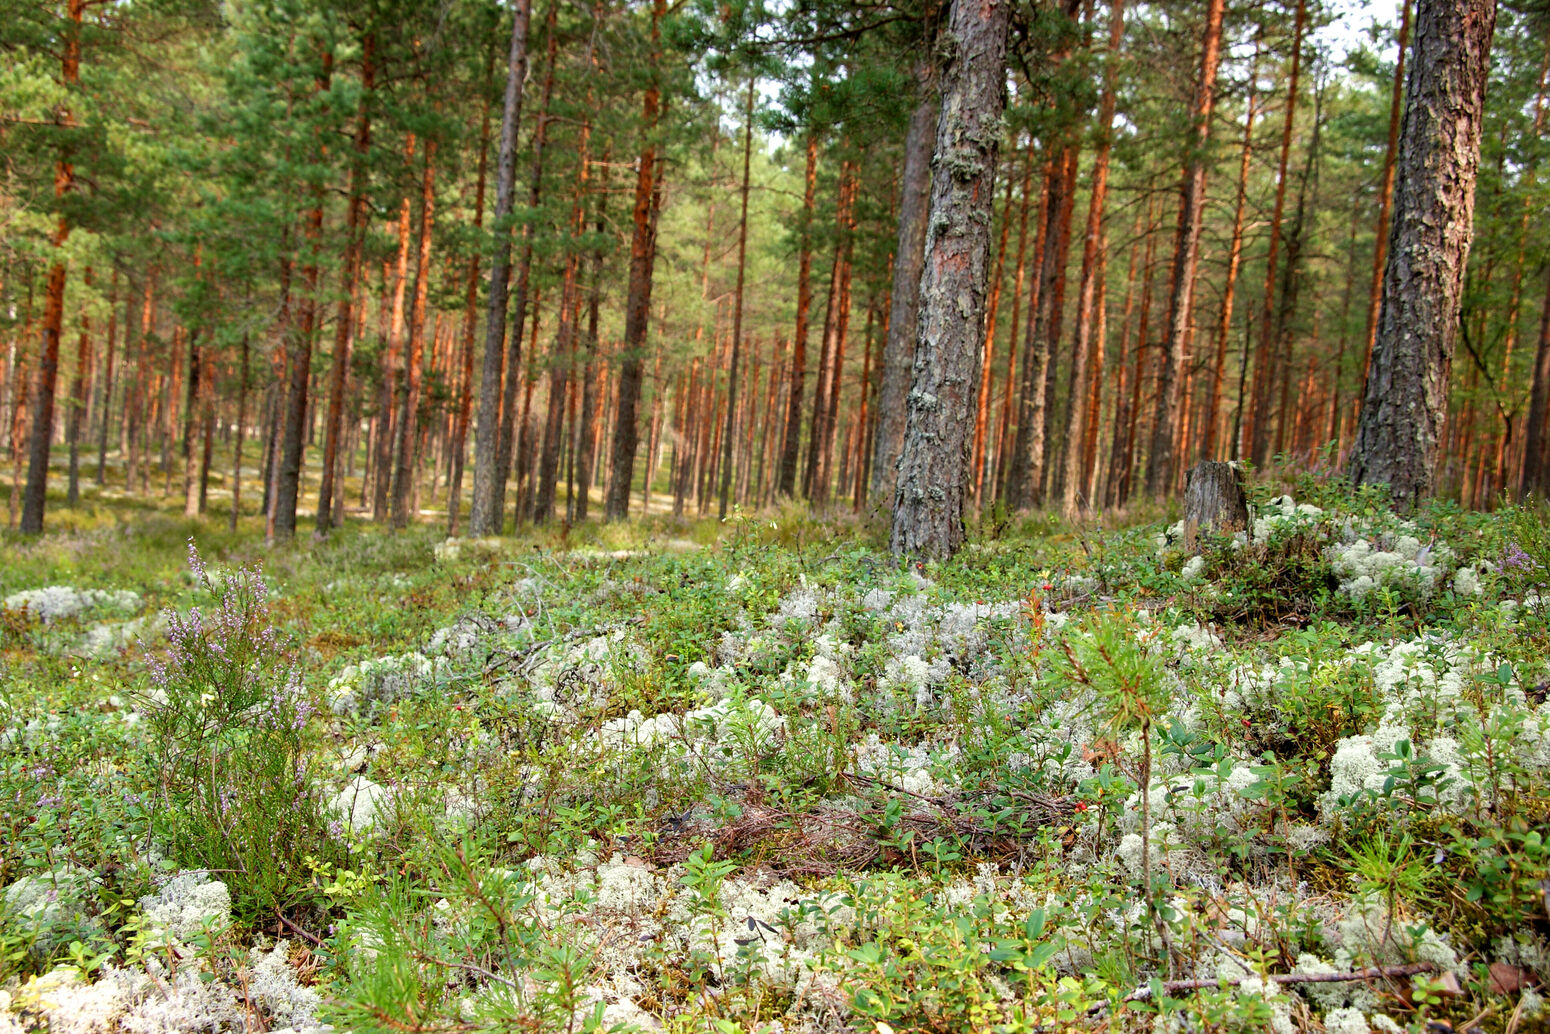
247,251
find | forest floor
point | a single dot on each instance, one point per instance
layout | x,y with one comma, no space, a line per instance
762,776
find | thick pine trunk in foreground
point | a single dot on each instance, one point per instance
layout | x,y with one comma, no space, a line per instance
933,470
899,349
486,511
1406,401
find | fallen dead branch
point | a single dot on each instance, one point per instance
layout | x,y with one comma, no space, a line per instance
1141,994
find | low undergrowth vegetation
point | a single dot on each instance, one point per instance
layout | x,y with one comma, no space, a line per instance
762,776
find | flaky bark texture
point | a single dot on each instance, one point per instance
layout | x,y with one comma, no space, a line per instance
1406,400
934,466
899,350
486,514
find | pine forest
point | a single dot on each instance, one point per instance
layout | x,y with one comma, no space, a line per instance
774,515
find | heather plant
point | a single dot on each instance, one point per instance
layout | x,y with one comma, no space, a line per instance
236,791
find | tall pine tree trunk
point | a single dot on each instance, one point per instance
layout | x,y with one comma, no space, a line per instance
1192,205
1208,440
1535,473
637,304
80,391
1405,406
508,415
42,432
408,420
486,513
737,309
791,439
1087,343
1264,383
105,408
898,360
349,273
288,483
933,469
387,399
465,398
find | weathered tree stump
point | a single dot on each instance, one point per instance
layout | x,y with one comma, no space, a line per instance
1214,500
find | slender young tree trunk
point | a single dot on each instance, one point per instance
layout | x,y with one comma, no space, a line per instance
489,394
1086,345
791,440
105,407
54,300
1534,475
933,468
1208,444
838,331
80,391
486,513
288,487
898,359
1192,203
586,429
982,408
737,308
408,421
136,417
349,273
236,453
1043,334
563,355
1292,271
1004,427
1405,406
637,305
1111,486
1264,382
520,292
1514,305
1090,458
196,363
387,433
1143,345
